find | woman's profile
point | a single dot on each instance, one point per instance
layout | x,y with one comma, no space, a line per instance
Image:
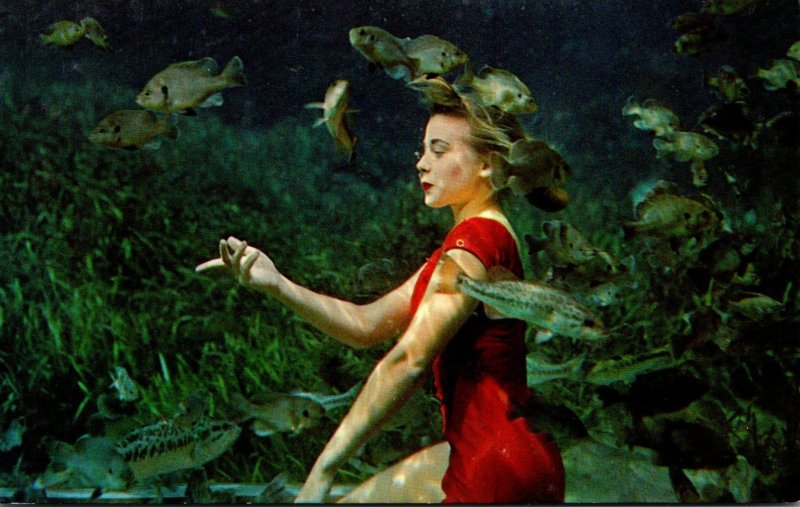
478,363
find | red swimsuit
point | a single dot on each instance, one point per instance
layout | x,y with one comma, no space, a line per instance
480,377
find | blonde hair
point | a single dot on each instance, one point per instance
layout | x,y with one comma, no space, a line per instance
491,130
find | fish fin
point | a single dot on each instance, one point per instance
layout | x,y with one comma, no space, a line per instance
465,79
543,335
213,100
399,72
152,145
493,313
262,429
501,274
320,121
234,72
485,70
630,105
44,38
208,65
449,271
315,105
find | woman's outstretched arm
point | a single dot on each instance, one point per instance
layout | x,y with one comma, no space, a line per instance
352,324
438,318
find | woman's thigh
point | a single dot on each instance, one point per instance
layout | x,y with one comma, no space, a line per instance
416,479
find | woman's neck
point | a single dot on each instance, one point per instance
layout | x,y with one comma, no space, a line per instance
484,205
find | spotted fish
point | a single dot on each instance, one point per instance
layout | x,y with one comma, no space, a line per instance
168,446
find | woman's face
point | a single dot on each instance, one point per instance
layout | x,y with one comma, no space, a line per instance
450,169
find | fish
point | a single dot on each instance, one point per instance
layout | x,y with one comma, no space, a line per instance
384,50
279,413
90,462
167,446
63,33
691,21
699,32
729,84
794,51
529,164
182,86
626,368
756,307
540,371
781,73
503,296
728,7
497,87
686,146
432,55
550,199
124,384
334,110
663,213
565,246
332,401
652,116
12,437
95,33
132,129
731,121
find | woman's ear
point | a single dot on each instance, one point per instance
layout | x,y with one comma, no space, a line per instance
486,169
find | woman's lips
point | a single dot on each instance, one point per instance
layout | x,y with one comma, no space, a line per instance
426,187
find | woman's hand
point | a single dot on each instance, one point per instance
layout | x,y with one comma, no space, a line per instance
251,267
317,487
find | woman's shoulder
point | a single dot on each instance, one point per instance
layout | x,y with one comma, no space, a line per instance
489,238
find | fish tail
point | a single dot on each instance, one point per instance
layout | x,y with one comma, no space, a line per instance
466,78
234,72
630,105
44,39
663,148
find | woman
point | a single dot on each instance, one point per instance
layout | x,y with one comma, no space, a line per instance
478,364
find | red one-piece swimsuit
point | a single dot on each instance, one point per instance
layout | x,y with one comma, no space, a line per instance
480,378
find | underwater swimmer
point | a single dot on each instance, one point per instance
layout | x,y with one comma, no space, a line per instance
478,363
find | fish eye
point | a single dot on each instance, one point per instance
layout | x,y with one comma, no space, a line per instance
164,89
687,215
117,129
306,413
589,323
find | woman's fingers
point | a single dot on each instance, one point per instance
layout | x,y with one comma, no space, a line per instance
224,253
248,263
213,263
236,260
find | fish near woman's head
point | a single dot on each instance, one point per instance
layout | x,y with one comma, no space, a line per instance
490,131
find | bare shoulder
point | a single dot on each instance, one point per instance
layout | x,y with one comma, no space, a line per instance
499,216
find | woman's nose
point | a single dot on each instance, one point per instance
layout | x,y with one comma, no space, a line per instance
421,166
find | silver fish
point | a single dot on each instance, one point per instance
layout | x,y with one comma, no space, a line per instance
541,305
124,384
166,446
540,371
627,368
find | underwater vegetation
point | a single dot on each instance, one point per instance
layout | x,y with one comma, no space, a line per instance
108,334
